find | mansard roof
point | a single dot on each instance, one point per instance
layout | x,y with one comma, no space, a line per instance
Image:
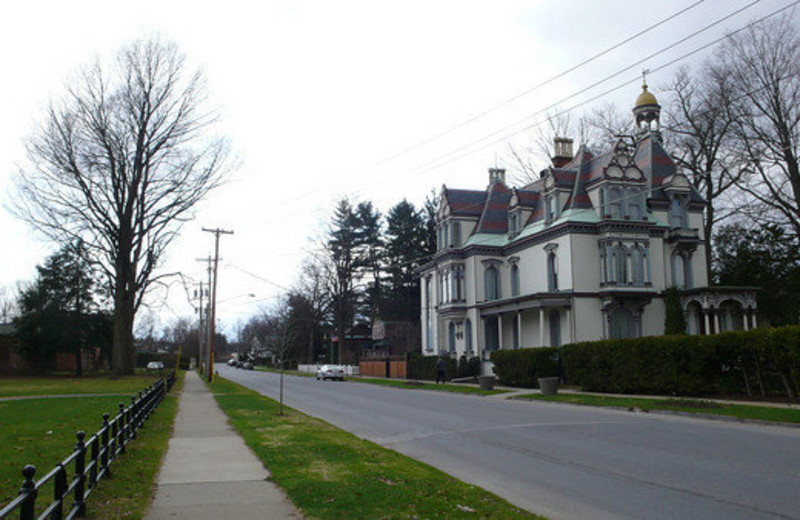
494,218
465,203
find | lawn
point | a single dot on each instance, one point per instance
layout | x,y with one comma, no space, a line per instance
329,473
694,406
102,383
421,385
42,432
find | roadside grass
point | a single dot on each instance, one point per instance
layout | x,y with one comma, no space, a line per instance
93,383
329,473
43,431
285,372
693,406
420,385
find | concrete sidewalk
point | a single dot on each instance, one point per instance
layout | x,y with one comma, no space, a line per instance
209,472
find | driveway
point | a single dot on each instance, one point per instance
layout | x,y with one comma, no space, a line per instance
567,461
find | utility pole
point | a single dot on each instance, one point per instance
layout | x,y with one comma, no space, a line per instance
201,331
212,323
204,317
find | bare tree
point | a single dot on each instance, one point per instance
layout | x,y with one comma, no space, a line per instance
312,289
762,66
120,162
702,130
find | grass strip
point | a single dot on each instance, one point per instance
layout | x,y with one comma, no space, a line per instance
329,473
95,383
420,385
693,406
42,432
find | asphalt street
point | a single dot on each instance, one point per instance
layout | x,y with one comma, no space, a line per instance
566,461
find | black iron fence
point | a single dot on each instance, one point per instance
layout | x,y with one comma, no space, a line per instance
90,460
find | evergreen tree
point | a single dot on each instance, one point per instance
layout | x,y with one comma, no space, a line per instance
59,313
674,320
406,237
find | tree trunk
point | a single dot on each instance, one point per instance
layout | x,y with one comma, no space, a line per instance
123,355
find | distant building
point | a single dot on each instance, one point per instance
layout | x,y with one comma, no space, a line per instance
583,253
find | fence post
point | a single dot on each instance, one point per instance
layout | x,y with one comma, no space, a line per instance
59,492
132,418
80,473
26,511
95,462
104,446
113,440
122,428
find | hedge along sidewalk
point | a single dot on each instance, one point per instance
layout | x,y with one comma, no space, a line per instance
208,472
329,473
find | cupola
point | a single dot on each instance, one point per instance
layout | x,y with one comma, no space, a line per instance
647,112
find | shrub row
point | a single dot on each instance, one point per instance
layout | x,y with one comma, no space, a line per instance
761,361
523,367
424,367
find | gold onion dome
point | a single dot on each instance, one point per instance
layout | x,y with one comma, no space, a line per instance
645,98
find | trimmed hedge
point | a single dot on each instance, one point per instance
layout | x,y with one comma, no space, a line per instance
523,367
752,362
424,367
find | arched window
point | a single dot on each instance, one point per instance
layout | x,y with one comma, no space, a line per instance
621,264
451,337
468,335
428,316
635,204
677,213
456,238
678,271
492,283
637,265
555,328
622,323
514,280
552,272
615,202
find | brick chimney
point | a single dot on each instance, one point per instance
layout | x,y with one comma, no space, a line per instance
497,175
563,151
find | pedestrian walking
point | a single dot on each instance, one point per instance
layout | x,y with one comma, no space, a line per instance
440,366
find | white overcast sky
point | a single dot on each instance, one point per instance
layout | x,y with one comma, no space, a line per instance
319,96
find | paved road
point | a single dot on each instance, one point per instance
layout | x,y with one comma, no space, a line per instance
568,461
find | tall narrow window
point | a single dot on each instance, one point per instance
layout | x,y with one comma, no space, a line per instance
514,280
468,335
428,316
603,203
622,324
492,283
678,273
677,213
458,290
515,331
552,272
616,202
555,328
637,263
456,238
451,337
620,264
491,332
634,204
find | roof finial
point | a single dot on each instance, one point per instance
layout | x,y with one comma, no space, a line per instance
645,72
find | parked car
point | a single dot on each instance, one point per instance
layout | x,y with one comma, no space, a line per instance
247,365
330,372
155,366
231,362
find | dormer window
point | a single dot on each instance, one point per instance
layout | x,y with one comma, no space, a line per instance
678,218
513,224
551,207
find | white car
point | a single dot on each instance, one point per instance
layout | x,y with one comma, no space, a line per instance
154,366
330,372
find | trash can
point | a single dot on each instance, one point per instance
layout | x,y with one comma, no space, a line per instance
486,382
548,385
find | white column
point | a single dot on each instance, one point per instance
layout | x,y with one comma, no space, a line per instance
499,332
541,326
569,325
519,329
746,319
716,322
708,323
755,326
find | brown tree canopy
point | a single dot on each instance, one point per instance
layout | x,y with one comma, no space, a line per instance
120,161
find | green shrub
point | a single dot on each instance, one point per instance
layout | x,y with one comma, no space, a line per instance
424,367
756,361
468,367
523,367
